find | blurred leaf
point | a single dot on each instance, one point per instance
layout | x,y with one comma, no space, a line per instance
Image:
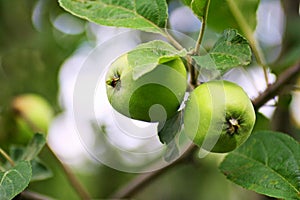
200,8
167,132
147,56
261,123
289,58
231,50
169,129
137,14
40,171
187,2
15,180
220,16
268,163
34,147
58,186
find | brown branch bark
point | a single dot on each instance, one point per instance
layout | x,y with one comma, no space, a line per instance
275,88
29,195
143,180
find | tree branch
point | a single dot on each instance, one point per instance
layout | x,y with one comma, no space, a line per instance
80,190
276,87
143,180
29,195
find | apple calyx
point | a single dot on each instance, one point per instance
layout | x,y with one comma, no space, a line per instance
233,126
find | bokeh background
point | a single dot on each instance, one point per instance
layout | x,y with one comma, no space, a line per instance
43,49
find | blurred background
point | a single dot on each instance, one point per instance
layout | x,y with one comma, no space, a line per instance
47,60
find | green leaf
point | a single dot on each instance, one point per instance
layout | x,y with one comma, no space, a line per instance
187,2
268,163
34,147
261,123
40,171
220,16
167,132
169,129
15,180
144,15
200,8
231,50
152,53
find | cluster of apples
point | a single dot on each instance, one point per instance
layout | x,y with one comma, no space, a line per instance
218,115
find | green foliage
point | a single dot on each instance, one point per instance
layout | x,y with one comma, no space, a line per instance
220,15
167,132
154,53
143,15
27,168
14,180
40,170
268,163
34,147
30,60
199,7
231,50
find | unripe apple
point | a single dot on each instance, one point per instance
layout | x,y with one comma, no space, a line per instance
152,97
33,113
219,116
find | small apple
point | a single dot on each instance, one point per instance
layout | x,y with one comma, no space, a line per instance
219,116
152,97
32,112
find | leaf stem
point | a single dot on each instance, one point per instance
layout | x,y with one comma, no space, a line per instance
243,24
173,40
193,70
202,29
7,157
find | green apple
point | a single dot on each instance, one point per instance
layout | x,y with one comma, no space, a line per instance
219,116
33,113
153,97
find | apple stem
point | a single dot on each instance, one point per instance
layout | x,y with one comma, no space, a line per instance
114,81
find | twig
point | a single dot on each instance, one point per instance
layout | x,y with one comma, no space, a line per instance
273,89
7,157
243,24
29,195
82,193
144,179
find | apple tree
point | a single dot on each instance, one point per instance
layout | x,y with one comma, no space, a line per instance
187,83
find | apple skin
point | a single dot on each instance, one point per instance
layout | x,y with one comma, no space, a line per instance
33,113
219,116
153,97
